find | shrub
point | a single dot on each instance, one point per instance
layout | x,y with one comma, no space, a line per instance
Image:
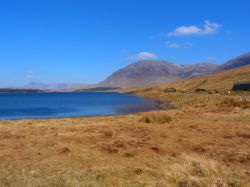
169,90
129,154
156,117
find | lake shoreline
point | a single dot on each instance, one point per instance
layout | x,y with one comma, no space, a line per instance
155,104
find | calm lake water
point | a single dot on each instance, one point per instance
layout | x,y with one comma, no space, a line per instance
57,105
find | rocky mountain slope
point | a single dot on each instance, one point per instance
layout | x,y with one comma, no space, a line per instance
239,61
148,72
154,71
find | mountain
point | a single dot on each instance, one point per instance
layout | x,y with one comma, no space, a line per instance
194,70
239,61
146,72
50,86
143,72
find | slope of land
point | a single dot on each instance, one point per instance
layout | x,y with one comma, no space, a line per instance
220,81
147,72
241,60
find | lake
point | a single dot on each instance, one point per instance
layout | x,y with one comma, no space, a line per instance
58,105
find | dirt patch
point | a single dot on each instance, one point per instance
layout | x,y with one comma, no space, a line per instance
65,150
199,149
110,149
243,135
156,150
108,134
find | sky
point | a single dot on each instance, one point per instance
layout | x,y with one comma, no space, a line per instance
85,41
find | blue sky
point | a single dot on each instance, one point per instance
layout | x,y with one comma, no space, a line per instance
86,40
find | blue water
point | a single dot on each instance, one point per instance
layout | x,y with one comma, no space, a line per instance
58,105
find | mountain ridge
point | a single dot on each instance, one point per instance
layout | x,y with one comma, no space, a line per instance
238,61
155,71
172,71
50,86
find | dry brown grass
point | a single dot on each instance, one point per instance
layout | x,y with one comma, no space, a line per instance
235,102
202,146
191,171
157,117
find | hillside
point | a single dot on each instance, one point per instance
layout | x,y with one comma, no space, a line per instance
241,60
220,81
193,70
143,72
147,72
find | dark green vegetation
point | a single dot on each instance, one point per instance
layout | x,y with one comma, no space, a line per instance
97,89
9,90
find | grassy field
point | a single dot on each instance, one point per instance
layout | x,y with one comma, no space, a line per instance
204,141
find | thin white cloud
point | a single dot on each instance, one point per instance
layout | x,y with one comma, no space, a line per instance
208,29
143,55
212,59
173,45
29,75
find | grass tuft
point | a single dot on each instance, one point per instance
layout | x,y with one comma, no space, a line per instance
129,154
159,117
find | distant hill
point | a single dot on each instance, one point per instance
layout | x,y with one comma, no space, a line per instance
147,72
50,86
239,61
